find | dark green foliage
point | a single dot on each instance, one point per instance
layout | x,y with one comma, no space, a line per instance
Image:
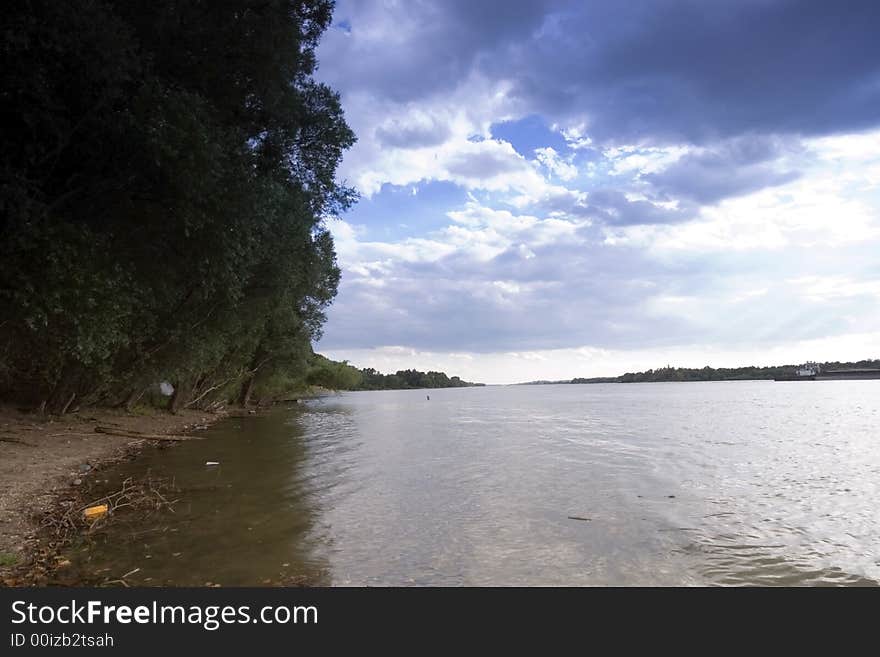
315,370
165,174
402,379
333,375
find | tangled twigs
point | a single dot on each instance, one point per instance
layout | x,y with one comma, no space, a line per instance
66,524
147,494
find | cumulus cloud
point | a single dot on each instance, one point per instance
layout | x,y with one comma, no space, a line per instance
416,131
614,208
699,174
731,168
555,164
406,51
497,280
485,161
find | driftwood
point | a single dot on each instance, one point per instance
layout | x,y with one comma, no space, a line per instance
147,436
16,441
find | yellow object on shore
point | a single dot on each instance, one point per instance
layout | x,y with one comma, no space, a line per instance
94,512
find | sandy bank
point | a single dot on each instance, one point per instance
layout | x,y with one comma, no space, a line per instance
42,458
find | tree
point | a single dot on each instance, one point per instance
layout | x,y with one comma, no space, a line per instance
166,174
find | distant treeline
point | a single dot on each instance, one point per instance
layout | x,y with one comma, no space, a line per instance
337,375
707,373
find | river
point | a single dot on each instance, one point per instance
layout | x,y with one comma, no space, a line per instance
731,483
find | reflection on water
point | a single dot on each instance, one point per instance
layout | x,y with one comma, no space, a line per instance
674,484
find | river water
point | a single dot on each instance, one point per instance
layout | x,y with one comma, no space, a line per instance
738,483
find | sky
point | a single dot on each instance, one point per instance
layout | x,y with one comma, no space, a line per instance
555,189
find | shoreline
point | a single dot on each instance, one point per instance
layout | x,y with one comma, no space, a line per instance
46,461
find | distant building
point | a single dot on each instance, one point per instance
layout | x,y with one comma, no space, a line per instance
809,369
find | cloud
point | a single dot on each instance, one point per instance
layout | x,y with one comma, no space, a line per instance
404,144
484,163
732,168
690,71
621,180
640,275
627,72
830,204
418,132
406,51
492,280
614,208
556,165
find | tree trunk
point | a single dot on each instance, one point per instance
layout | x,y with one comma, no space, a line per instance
177,396
58,401
247,388
69,402
132,399
128,402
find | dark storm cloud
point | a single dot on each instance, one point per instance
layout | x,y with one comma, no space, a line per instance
697,71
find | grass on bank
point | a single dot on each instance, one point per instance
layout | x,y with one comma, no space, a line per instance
8,559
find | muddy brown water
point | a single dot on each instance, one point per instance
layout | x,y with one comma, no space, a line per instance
737,483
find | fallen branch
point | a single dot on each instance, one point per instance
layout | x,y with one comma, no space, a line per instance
16,441
68,433
148,436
